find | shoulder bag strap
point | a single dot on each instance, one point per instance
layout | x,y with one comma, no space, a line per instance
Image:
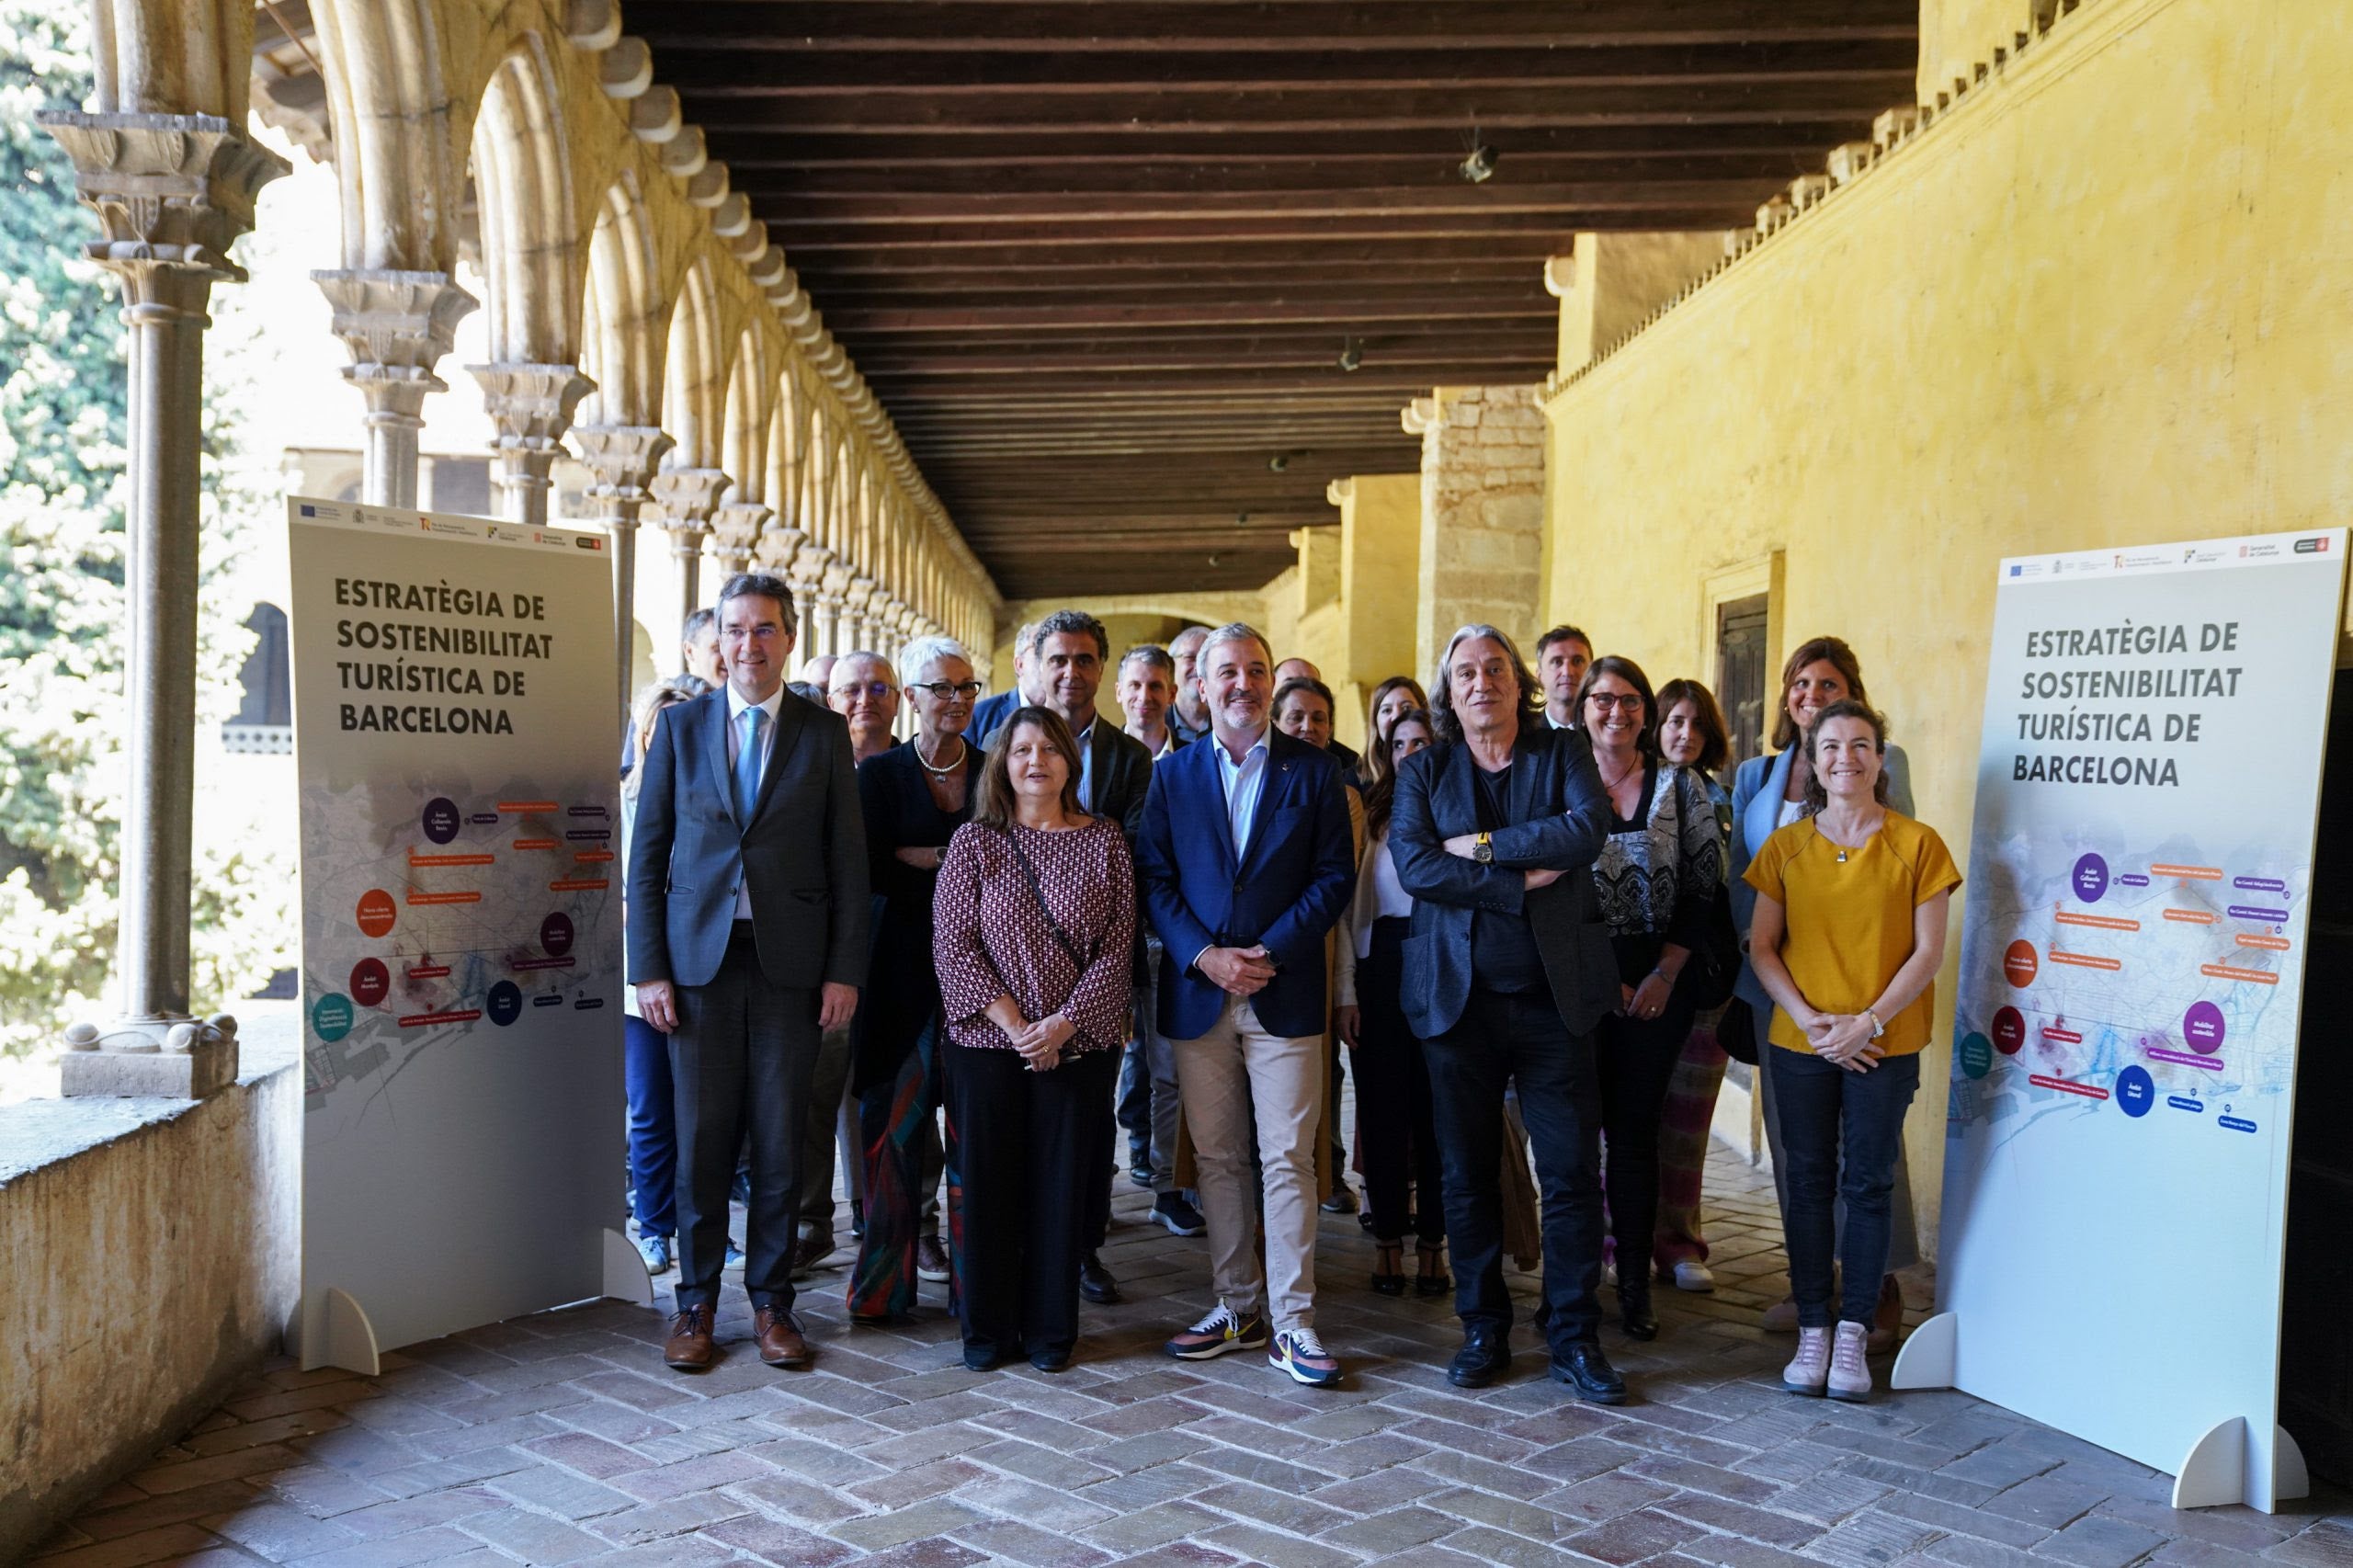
1030,872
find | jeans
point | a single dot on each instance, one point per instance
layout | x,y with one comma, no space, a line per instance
1636,1058
652,1128
1518,1038
1903,1238
1842,1133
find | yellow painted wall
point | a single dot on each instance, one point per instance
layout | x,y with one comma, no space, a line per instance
2104,302
1381,534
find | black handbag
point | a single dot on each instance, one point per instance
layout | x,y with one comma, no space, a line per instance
1736,1030
1714,965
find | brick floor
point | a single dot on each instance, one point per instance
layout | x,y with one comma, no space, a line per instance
560,1438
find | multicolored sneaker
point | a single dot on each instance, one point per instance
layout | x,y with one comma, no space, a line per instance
1298,1352
1222,1330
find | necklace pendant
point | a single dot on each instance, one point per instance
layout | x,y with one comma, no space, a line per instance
1842,857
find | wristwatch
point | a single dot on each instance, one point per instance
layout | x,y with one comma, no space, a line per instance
1877,1028
1484,851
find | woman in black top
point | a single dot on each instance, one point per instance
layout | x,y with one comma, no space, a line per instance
1657,877
915,796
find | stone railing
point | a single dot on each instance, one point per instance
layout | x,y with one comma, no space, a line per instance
149,1260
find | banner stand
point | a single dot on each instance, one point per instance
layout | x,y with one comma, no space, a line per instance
2215,1470
1927,1359
625,1276
334,1331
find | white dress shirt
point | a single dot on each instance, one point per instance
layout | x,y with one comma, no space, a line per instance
1244,781
735,706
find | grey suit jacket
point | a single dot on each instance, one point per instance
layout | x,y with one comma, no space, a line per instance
1123,773
802,853
1560,816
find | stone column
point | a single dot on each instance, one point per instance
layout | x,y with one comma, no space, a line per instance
686,498
805,570
859,620
172,193
735,535
1483,513
623,460
531,406
396,326
832,595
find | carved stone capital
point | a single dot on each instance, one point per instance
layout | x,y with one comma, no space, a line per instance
622,460
736,533
531,405
172,193
685,498
779,547
809,564
837,583
857,596
395,325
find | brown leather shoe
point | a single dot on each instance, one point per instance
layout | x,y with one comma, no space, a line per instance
779,1337
689,1349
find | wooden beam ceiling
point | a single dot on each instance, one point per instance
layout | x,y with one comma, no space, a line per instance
1101,260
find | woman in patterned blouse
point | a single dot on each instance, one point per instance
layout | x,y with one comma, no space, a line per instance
1032,925
1656,876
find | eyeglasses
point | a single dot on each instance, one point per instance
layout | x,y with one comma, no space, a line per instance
877,689
1631,701
941,691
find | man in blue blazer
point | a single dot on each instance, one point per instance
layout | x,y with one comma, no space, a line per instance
1245,859
747,936
1509,968
990,712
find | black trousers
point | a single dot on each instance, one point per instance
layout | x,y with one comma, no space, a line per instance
1636,1058
1393,1123
1519,1040
1023,1156
741,1061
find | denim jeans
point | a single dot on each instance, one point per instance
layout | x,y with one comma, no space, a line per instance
1842,1133
1520,1040
652,1127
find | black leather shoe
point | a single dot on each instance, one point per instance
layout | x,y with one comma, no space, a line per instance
1095,1281
1584,1368
1484,1357
1049,1360
1634,1314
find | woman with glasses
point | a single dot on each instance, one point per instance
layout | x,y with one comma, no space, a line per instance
863,690
915,796
1656,876
1035,916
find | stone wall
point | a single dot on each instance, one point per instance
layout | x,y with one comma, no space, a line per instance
2101,301
1482,514
153,1258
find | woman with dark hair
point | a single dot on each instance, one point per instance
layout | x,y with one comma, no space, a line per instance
1033,921
1770,793
1399,1143
1397,696
1692,734
1847,934
1303,710
1656,875
646,1056
915,796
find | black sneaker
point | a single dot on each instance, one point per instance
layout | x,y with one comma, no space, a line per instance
1180,1217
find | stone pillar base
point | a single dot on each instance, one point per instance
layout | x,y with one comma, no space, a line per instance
181,1058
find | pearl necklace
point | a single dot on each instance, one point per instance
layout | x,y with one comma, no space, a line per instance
941,773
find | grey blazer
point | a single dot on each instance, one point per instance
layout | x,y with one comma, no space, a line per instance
802,853
1559,815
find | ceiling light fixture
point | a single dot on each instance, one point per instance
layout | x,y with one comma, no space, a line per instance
1351,353
1480,167
1278,462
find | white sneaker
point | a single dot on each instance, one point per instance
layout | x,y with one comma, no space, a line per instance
1692,1275
1850,1375
1809,1370
1609,1276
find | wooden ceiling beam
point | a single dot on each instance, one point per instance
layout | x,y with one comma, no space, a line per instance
1130,116
1544,232
1086,208
722,70
1044,176
1272,311
1027,27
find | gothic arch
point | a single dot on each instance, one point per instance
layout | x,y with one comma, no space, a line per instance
625,327
523,195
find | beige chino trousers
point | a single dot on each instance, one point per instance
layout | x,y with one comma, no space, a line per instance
1220,1078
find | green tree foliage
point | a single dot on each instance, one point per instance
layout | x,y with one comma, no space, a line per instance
64,623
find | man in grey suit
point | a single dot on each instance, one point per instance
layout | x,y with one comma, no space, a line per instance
747,915
1508,969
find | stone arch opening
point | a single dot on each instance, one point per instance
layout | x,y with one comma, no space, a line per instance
693,389
624,327
523,197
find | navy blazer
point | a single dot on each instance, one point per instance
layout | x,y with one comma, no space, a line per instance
1559,817
1757,786
989,715
1292,881
803,852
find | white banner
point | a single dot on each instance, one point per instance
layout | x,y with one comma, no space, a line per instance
461,917
2132,969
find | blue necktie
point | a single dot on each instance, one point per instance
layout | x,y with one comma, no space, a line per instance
747,766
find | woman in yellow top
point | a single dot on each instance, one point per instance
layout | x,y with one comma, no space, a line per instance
1848,932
